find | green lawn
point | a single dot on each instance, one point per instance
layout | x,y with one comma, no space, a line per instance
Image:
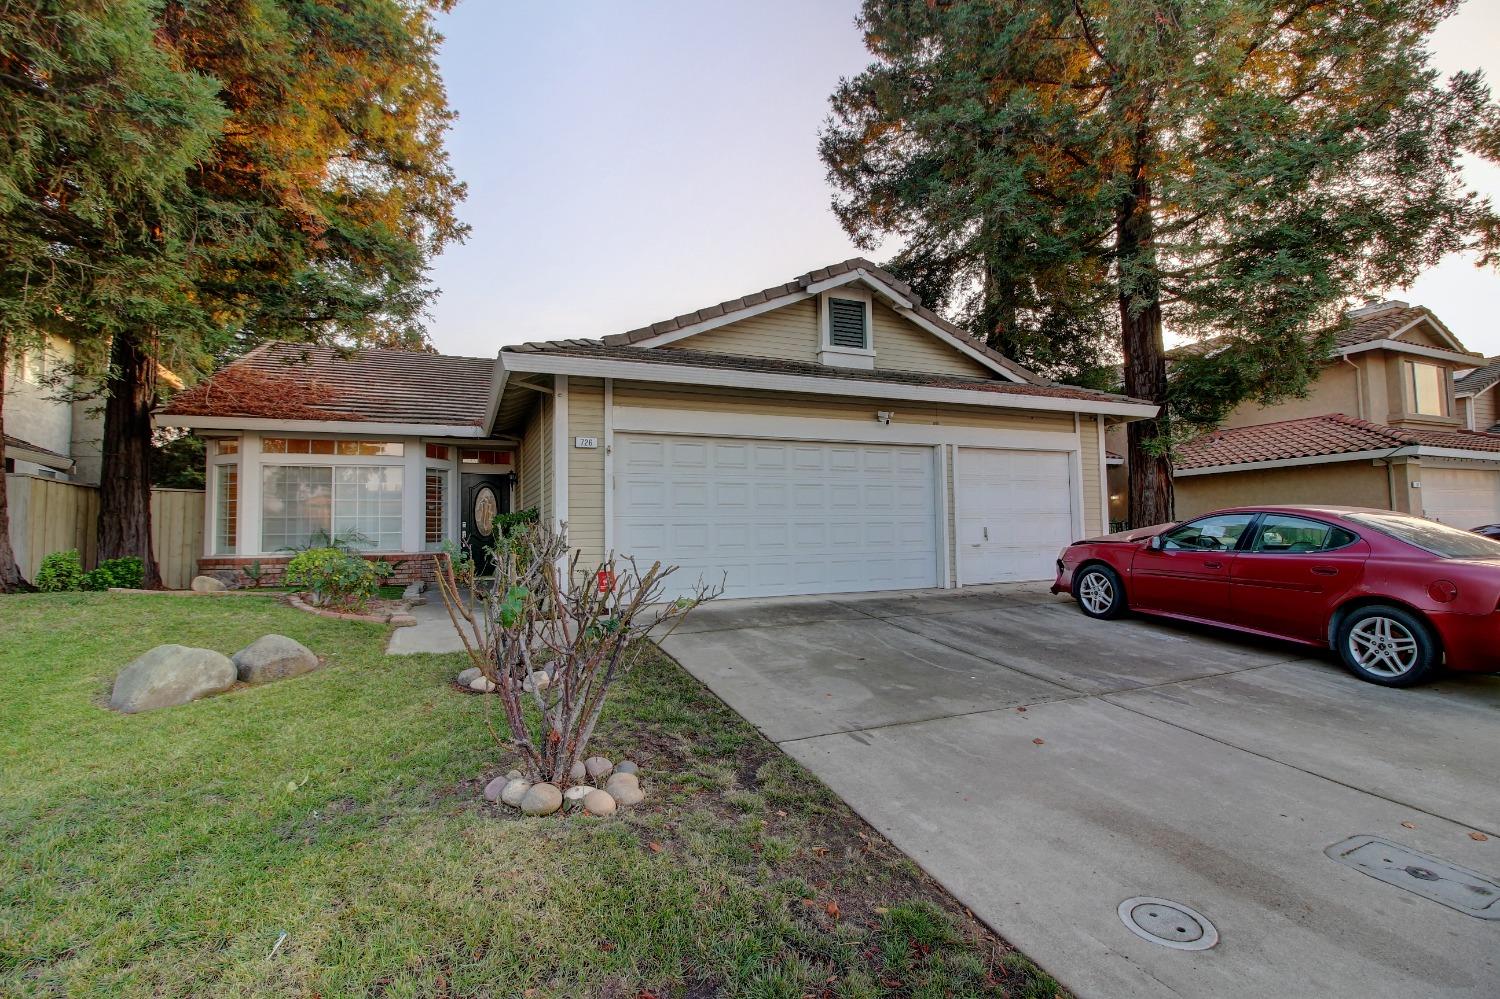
165,853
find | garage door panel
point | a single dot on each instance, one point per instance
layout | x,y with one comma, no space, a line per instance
780,517
1464,498
1015,513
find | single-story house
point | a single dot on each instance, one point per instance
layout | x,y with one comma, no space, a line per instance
829,434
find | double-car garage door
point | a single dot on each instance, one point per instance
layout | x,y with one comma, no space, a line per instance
1464,498
781,517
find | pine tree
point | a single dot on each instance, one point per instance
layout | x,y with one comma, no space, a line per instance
97,130
1071,174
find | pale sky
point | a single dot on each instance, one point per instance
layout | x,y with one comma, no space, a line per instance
630,162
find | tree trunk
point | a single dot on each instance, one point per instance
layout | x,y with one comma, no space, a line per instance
1151,495
11,580
125,486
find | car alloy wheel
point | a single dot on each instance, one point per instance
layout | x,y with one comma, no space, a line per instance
1383,647
1096,592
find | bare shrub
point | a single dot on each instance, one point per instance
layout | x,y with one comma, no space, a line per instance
546,631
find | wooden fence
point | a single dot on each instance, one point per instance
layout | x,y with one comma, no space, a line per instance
48,516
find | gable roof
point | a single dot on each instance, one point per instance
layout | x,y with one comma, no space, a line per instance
806,284
706,360
1388,320
1479,379
371,384
1319,436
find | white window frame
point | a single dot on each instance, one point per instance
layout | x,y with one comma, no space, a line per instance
846,357
410,461
450,487
1413,405
211,499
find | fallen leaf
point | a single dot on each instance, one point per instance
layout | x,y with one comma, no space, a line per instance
780,813
607,947
1408,825
1039,742
1478,837
881,910
654,847
832,908
808,903
1021,710
820,851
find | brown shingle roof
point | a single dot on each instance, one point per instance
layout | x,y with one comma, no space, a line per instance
374,384
772,365
1383,321
1479,379
801,283
1318,436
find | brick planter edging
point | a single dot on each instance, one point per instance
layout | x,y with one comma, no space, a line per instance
398,618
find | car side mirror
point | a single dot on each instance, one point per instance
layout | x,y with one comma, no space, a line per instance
1155,543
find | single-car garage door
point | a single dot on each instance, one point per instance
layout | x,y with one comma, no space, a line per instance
776,517
1014,513
1464,498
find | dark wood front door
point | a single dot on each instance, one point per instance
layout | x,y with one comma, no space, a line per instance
485,497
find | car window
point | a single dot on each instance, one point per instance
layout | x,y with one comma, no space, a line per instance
1211,534
1429,535
1283,535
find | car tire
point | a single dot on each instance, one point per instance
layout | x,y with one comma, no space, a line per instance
1388,645
1099,592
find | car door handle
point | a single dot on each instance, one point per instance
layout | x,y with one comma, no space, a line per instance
1324,570
1213,565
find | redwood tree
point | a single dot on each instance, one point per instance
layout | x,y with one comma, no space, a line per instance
1070,175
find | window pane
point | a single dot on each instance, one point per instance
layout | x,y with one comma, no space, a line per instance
437,452
273,445
437,487
367,503
227,509
1427,393
296,506
227,447
1297,536
1209,534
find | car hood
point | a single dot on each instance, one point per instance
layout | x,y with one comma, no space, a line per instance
1129,537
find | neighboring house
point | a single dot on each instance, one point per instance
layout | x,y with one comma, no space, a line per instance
46,433
1383,425
829,434
1478,402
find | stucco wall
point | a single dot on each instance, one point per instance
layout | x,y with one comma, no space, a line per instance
1335,391
1349,483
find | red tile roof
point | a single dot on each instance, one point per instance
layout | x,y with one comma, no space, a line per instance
1316,437
373,384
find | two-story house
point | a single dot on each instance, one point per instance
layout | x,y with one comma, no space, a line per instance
47,431
1386,424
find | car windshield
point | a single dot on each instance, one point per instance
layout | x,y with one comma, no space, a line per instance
1429,535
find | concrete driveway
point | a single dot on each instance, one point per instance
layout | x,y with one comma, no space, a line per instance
1046,767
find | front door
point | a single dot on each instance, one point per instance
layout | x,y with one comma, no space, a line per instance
485,498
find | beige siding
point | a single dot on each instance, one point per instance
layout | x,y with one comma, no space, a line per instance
1426,336
1485,415
901,345
49,516
1093,497
789,333
1353,483
536,460
585,513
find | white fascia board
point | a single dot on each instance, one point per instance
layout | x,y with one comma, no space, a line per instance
237,423
497,390
1314,459
1402,347
769,305
863,276
1455,452
650,371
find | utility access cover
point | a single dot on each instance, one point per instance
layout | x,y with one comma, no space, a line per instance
1447,884
1171,924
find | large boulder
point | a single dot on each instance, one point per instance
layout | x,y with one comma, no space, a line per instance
170,675
273,657
208,584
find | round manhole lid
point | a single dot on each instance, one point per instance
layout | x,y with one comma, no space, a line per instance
1171,924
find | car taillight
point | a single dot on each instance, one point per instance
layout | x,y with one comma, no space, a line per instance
1442,591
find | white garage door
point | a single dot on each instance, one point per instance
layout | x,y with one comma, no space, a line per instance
1464,498
778,517
1015,513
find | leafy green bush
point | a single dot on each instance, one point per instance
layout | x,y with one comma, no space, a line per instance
507,524
60,571
128,573
336,578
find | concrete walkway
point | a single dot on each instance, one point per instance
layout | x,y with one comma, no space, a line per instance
433,631
1046,767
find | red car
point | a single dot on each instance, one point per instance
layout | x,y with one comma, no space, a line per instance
1398,597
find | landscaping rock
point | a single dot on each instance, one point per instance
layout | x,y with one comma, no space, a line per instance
467,676
482,683
573,796
542,799
169,675
625,789
493,788
597,767
515,775
626,767
598,802
538,680
273,657
578,773
207,584
514,791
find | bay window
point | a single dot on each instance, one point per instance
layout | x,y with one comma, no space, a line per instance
304,505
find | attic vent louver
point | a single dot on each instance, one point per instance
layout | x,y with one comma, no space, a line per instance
846,324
